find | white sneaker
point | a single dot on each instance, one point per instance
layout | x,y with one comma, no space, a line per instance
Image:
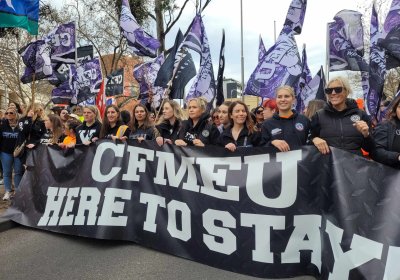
1,182
7,196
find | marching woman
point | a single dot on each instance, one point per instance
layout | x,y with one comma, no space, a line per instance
197,131
341,124
387,138
242,131
89,131
170,122
54,131
286,129
32,125
113,127
223,115
9,133
141,127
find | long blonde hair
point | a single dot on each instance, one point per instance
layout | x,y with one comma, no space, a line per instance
178,114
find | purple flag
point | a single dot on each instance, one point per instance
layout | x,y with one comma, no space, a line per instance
392,19
204,84
64,93
261,50
87,80
377,69
63,43
314,89
36,57
280,66
220,75
295,16
346,42
140,42
146,74
304,79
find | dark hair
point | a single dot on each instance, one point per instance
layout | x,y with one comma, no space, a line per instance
19,110
249,121
313,106
134,124
72,123
125,117
391,114
106,124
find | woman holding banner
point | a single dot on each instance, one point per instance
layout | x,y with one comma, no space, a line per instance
242,131
89,131
387,138
112,127
141,127
197,131
170,123
341,123
286,129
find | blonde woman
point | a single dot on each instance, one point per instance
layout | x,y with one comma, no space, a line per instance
197,131
89,131
32,125
170,123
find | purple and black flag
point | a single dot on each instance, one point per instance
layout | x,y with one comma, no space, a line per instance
64,93
346,45
63,43
377,69
146,74
262,51
36,57
390,36
304,79
295,16
220,76
314,89
115,83
280,66
87,80
141,43
196,39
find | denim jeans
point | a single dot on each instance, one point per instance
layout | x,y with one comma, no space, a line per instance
8,162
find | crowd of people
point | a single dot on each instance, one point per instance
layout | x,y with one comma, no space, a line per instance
339,123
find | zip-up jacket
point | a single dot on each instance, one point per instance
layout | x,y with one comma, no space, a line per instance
31,131
207,132
294,130
336,128
244,138
384,136
148,133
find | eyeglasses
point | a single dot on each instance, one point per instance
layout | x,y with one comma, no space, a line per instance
9,113
336,89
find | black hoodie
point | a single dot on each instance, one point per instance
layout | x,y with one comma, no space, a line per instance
244,138
203,130
169,131
336,127
8,137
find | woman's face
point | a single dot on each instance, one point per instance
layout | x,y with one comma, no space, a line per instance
168,112
140,114
47,123
284,100
64,115
194,110
337,97
259,114
88,115
10,114
223,114
12,105
112,115
239,114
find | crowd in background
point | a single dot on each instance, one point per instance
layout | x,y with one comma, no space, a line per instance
340,122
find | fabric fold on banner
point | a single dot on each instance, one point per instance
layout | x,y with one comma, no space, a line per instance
139,41
22,14
346,44
295,16
280,66
196,40
62,40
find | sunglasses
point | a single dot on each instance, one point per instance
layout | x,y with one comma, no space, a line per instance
9,113
336,89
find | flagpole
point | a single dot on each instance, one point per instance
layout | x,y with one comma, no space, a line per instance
327,51
241,46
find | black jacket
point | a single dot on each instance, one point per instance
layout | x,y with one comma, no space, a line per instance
384,135
294,130
31,131
148,133
86,133
8,137
244,139
336,128
203,130
169,131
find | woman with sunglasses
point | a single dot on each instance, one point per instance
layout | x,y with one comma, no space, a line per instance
242,131
341,124
286,129
9,133
197,131
387,138
259,116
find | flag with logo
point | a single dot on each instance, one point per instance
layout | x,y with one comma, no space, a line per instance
262,51
220,77
22,14
63,43
64,92
87,80
140,42
295,16
115,83
346,44
36,57
280,66
204,84
101,100
304,79
313,89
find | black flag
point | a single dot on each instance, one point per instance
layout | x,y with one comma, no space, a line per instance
220,77
115,83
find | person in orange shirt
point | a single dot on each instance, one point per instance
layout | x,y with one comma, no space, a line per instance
70,138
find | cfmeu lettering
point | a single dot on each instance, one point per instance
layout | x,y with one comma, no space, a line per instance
211,170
